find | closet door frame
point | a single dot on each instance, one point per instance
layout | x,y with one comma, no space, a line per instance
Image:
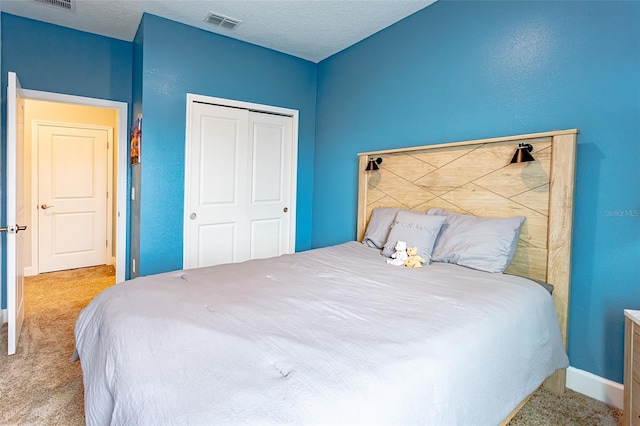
195,98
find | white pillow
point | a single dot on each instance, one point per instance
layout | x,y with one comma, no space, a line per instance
416,229
481,243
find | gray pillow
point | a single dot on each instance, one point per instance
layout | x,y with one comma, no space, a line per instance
481,243
379,226
416,229
546,286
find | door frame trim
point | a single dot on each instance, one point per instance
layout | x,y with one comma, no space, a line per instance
35,187
269,109
123,151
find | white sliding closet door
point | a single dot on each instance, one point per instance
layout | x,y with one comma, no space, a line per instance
238,185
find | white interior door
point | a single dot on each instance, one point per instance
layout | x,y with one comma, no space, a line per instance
72,197
269,192
217,185
15,210
237,185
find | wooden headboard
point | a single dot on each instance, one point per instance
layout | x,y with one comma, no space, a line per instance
476,177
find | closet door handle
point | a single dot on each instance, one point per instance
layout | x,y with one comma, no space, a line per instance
44,207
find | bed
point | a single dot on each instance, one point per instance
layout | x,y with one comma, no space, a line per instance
338,336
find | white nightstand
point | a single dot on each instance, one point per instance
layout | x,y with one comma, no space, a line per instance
631,368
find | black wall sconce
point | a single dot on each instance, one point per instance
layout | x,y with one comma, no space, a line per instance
373,163
523,154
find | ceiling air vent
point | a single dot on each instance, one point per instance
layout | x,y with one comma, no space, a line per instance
68,5
222,20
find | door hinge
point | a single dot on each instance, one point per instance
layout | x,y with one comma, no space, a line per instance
106,243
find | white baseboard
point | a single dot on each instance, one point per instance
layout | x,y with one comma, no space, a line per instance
596,387
5,316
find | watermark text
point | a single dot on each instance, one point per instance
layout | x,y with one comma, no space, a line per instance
622,213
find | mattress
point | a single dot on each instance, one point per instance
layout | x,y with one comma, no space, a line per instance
331,336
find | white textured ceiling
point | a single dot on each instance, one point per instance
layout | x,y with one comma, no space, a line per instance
309,29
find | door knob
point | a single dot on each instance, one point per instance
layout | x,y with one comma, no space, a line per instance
44,207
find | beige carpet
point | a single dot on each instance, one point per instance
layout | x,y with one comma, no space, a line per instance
41,386
547,409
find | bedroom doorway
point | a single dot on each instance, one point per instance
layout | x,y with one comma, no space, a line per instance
18,213
240,181
85,128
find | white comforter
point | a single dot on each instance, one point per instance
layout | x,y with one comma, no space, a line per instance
332,336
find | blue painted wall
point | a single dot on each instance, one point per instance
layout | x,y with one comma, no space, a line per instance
56,59
468,70
177,60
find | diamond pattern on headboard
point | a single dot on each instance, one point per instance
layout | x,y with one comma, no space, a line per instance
474,179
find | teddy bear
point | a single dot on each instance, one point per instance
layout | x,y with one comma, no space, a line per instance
400,256
414,260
